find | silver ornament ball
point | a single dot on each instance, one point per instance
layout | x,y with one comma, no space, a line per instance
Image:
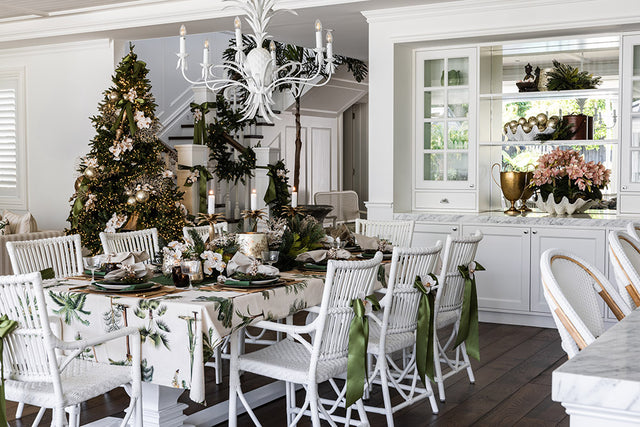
142,196
131,200
90,172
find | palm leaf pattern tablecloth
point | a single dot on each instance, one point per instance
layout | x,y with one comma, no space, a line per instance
179,331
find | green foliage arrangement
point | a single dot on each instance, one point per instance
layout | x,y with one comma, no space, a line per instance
277,194
301,235
124,162
228,122
567,77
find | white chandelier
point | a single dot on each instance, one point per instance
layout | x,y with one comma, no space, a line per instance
258,70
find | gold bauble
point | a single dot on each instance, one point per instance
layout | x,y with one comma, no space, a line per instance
542,128
142,196
532,121
506,128
542,119
553,121
522,121
78,182
113,95
513,123
90,172
131,200
526,128
514,128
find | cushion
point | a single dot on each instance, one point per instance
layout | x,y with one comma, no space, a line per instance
19,224
4,227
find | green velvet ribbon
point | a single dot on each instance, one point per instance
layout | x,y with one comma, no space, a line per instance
203,178
78,204
357,354
47,273
126,106
200,126
468,330
424,333
6,326
270,196
382,275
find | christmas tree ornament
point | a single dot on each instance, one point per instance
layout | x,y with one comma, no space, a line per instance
131,200
90,172
118,134
142,196
78,182
113,95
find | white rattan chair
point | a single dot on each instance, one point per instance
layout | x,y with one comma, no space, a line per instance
131,241
624,251
633,228
63,254
35,373
296,361
203,231
448,308
346,205
396,330
571,286
399,233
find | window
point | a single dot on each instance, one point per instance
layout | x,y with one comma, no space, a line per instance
12,162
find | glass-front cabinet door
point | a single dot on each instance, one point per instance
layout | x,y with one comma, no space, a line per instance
630,165
445,119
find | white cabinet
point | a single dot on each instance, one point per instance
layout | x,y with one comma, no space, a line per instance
505,253
427,234
588,244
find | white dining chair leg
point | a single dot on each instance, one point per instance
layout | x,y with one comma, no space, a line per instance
465,356
438,369
58,419
218,358
289,400
19,410
234,378
36,422
74,414
138,414
384,372
314,401
362,413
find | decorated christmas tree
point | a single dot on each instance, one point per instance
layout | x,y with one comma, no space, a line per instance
123,182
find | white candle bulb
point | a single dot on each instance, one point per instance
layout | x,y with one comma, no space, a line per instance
294,198
205,53
254,200
238,25
183,40
318,35
272,48
329,45
211,203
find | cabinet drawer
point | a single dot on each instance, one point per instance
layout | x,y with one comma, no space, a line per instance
445,200
629,203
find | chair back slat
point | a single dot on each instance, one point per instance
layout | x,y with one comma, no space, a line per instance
458,251
401,307
346,280
633,228
131,241
203,230
29,353
624,252
63,254
399,233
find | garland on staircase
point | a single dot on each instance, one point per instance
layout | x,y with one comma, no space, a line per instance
228,122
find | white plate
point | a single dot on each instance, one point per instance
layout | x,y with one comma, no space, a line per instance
117,287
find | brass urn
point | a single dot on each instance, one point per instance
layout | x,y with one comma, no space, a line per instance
513,186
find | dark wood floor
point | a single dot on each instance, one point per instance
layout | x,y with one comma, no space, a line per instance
513,387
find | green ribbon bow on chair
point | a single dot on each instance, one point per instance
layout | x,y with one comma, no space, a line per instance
424,333
382,275
357,356
199,124
203,178
6,326
468,330
271,194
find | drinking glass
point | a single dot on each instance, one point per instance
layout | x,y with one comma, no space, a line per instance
191,269
93,263
270,257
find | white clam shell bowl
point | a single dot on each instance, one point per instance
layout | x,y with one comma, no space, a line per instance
564,207
521,135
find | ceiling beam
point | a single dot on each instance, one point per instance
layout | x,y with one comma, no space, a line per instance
26,10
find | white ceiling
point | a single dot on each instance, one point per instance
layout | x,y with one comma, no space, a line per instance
28,22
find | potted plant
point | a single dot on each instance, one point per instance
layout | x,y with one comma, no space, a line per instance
565,184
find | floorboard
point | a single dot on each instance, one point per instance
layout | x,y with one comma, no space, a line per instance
513,387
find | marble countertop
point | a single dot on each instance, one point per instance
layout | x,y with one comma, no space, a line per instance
606,374
588,219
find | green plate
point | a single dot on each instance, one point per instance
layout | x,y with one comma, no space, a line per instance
115,286
314,267
99,273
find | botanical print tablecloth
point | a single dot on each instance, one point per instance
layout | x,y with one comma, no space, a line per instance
179,331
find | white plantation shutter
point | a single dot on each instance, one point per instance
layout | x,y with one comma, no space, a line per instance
12,184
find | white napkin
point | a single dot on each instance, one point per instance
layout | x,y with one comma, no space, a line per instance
139,269
372,243
241,263
126,258
321,254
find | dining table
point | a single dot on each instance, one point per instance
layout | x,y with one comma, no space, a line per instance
179,329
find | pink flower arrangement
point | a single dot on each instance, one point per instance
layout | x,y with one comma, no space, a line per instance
565,173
